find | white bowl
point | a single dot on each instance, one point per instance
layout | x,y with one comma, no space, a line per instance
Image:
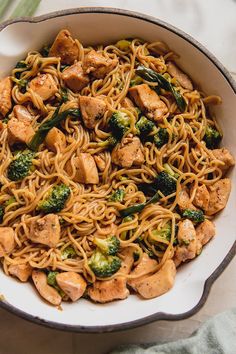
194,280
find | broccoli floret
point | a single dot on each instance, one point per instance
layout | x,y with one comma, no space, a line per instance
119,123
109,143
212,137
21,165
163,233
109,246
55,200
165,183
51,278
196,216
144,127
102,265
161,137
1,213
68,252
118,196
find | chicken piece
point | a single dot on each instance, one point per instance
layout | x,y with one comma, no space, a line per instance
86,169
178,74
44,85
127,103
19,127
46,230
128,260
92,109
46,291
100,162
219,195
145,266
205,231
7,240
184,200
21,271
55,138
128,152
158,283
202,197
149,102
64,47
5,96
21,113
108,290
188,244
75,78
98,65
224,156
114,289
73,284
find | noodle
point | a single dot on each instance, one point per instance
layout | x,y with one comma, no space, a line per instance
89,210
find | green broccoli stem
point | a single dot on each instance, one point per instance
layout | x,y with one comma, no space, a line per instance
150,75
137,208
44,128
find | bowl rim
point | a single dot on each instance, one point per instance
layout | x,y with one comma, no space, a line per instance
217,272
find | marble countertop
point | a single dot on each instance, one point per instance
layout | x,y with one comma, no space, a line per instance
213,24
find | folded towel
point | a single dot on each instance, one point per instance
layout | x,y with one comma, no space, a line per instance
216,336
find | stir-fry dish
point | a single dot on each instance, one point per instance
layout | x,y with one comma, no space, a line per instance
111,170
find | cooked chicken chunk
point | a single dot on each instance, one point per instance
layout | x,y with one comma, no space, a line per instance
145,266
92,109
5,95
20,128
202,197
44,86
149,102
188,244
86,169
21,113
128,152
46,291
98,65
75,78
65,48
178,74
46,230
224,156
219,195
7,240
114,289
128,260
55,138
108,290
72,284
21,271
127,103
205,231
158,283
184,200
100,161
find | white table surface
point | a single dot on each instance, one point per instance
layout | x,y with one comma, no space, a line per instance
213,23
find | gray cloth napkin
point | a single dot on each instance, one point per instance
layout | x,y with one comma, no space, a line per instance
216,336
